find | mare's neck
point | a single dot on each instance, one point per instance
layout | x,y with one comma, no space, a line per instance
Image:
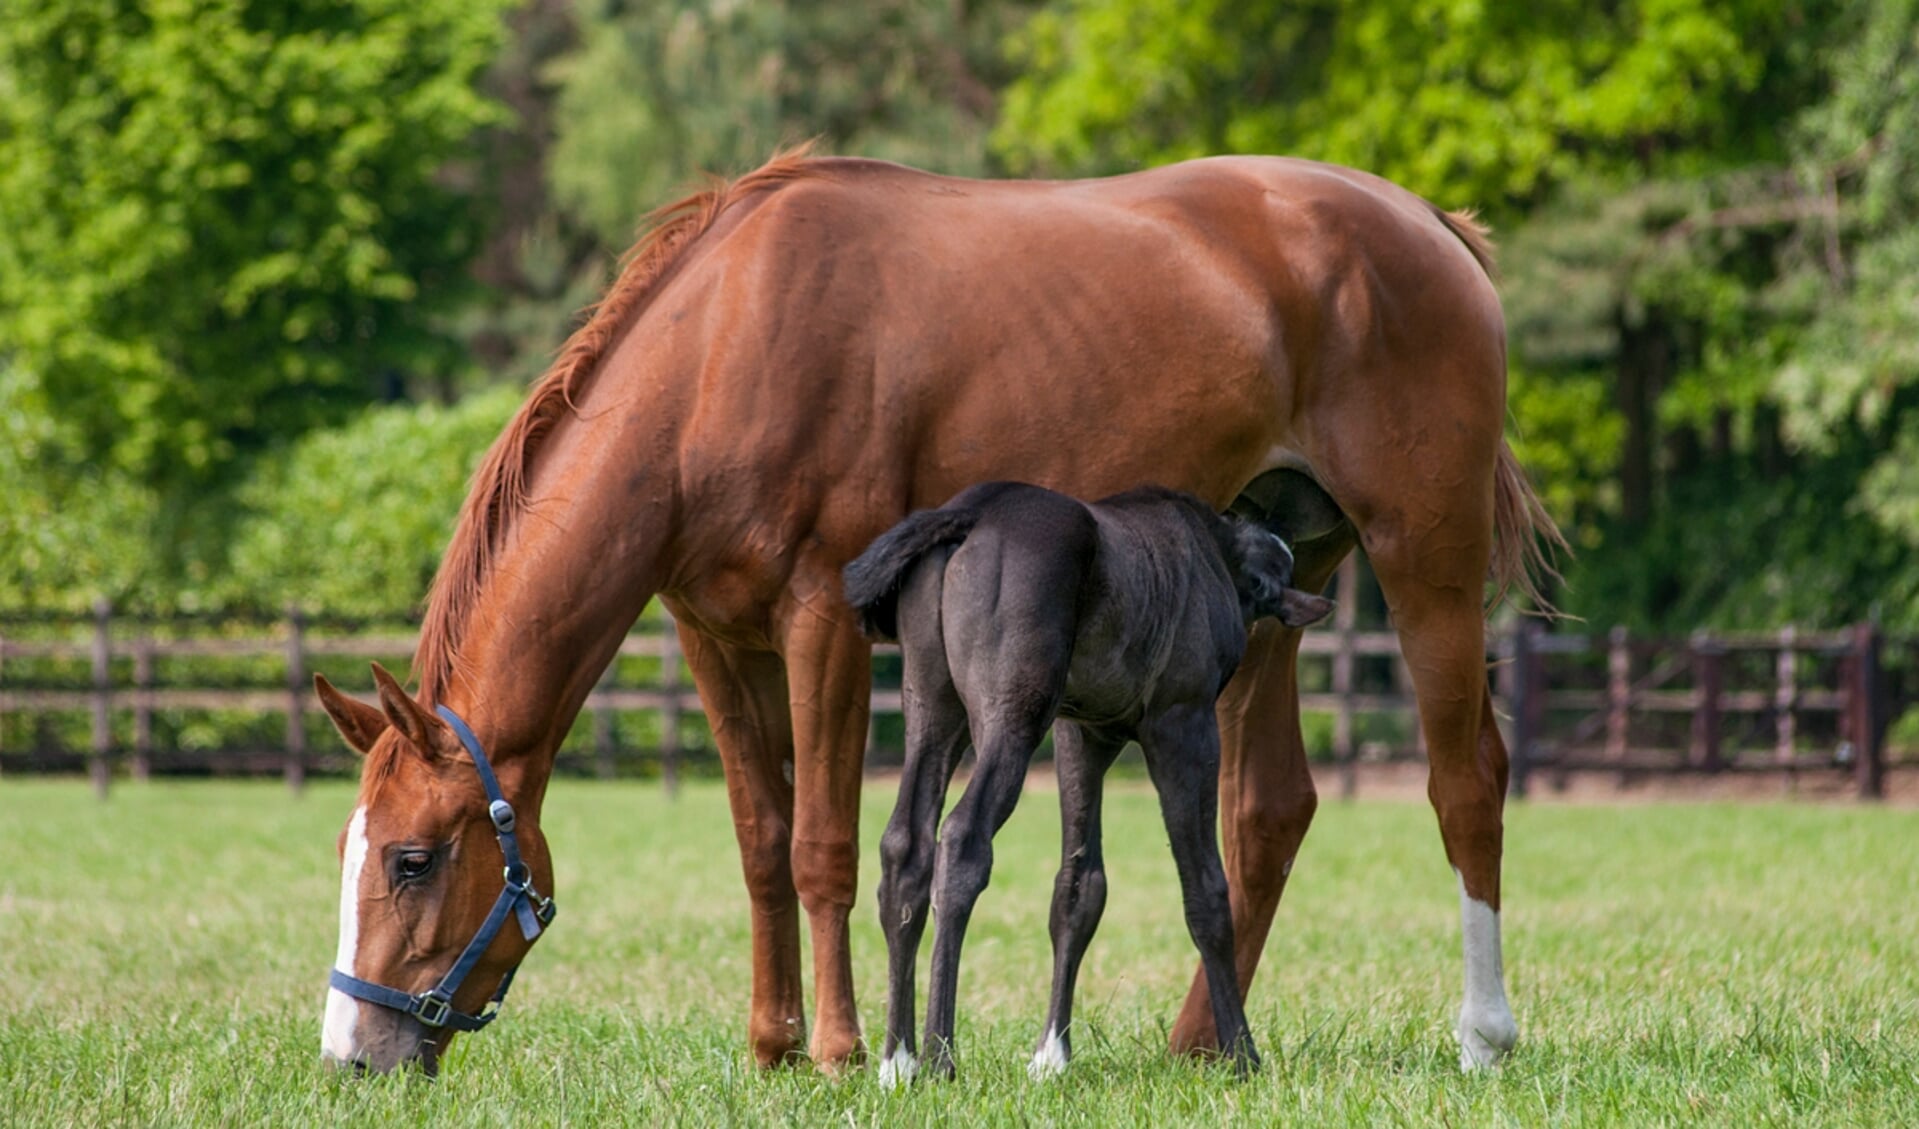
564,587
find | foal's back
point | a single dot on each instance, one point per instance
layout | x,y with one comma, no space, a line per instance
1100,612
1003,606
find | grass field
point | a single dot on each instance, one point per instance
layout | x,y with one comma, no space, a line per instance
162,960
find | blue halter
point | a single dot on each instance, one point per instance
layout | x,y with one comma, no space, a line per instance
434,1007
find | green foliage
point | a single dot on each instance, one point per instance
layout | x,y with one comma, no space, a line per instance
352,520
223,222
68,538
1463,102
660,92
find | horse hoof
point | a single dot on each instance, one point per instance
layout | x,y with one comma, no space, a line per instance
1485,1037
898,1069
1049,1061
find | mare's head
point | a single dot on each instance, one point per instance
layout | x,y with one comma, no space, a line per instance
420,869
1262,568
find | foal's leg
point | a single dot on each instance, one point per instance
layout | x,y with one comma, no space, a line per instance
1080,760
1266,792
1004,747
829,667
1182,754
935,737
745,697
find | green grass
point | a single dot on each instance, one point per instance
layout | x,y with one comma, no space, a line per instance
162,960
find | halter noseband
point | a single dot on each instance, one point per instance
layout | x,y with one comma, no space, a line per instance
434,1007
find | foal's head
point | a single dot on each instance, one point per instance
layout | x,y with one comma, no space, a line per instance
1262,568
420,868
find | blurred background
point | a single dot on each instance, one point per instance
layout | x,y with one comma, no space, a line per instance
273,274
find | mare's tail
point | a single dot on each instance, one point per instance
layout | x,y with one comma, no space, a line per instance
1525,539
873,579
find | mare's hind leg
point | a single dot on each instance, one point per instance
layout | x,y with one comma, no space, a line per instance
1428,530
1265,789
1080,759
745,697
935,737
1182,754
1003,747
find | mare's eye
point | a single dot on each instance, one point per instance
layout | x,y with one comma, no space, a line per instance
414,865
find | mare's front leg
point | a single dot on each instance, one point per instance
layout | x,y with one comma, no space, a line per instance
1080,759
745,697
829,669
935,737
1182,754
1004,746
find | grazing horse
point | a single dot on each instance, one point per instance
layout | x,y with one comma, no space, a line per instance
791,363
1123,619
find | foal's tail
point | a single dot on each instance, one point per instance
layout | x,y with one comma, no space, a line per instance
873,579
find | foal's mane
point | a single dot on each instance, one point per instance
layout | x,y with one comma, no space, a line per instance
498,494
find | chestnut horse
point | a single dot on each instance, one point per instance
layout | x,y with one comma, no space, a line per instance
791,363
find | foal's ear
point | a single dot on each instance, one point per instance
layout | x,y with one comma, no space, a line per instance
1302,609
403,712
358,722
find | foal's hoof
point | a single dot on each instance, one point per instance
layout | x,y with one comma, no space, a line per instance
898,1069
1050,1060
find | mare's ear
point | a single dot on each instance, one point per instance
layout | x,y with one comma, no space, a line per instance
403,712
1302,609
358,722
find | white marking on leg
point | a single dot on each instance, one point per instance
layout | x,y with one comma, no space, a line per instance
898,1069
1050,1060
1486,1027
337,1040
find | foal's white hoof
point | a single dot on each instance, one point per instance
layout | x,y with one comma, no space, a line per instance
898,1069
1485,1037
1049,1061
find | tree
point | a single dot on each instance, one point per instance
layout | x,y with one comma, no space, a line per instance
1483,104
224,222
661,92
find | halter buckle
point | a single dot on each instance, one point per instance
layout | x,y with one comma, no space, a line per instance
502,813
433,1009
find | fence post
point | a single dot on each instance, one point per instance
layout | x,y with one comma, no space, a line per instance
1784,702
142,768
1708,673
670,709
1345,616
296,762
1618,693
1525,694
604,737
97,766
1866,713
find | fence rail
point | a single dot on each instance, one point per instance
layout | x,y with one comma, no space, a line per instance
1788,702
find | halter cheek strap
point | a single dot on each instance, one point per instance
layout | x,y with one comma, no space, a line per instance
434,1007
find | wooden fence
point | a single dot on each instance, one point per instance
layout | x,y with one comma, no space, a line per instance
1789,702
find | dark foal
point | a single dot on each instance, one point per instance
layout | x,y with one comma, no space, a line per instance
1122,619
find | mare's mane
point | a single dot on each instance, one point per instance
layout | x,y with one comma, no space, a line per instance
498,493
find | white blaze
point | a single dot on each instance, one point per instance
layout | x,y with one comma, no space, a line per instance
1486,1027
1050,1060
343,1011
